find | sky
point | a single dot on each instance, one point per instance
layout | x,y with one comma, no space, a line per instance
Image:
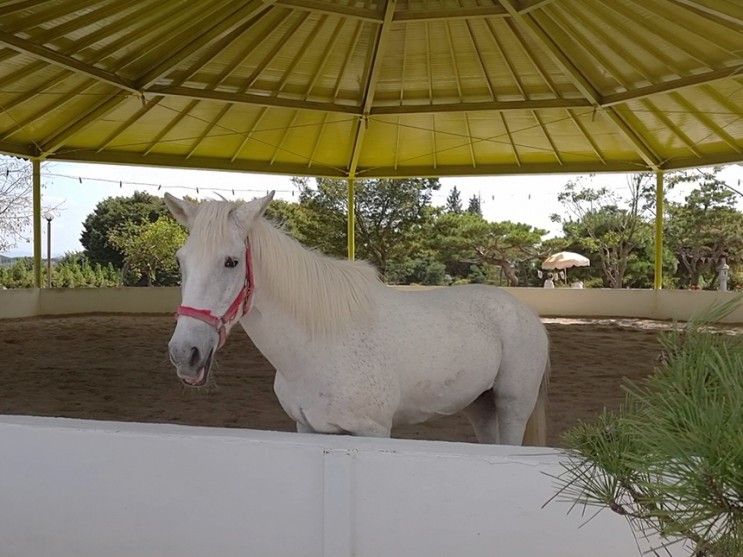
76,188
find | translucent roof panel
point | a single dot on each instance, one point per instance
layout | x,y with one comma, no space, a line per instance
375,87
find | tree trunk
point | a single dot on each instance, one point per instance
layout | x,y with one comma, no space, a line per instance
509,271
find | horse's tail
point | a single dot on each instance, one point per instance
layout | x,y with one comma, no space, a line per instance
536,427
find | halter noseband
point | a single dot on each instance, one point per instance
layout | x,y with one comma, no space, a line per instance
238,308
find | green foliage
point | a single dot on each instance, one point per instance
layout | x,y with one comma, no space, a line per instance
72,271
605,227
462,240
705,228
109,216
454,201
473,207
388,215
149,249
425,270
671,460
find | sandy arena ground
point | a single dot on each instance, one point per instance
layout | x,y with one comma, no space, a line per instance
109,367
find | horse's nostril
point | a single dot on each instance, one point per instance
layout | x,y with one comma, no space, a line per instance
194,357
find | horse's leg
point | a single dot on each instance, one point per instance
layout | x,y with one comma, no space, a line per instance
304,428
483,417
517,387
369,428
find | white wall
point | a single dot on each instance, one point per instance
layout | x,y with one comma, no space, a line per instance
562,302
81,488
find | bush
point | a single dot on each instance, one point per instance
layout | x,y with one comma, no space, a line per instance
671,460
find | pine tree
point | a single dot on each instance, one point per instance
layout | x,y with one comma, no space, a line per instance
474,206
454,201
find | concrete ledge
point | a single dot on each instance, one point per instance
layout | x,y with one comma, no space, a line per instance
86,489
560,302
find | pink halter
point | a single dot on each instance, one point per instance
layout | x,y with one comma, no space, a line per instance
238,308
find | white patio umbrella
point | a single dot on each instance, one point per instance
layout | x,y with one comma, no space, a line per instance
564,260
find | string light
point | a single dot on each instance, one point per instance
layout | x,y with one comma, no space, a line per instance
161,186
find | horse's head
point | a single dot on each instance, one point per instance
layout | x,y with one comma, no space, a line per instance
216,279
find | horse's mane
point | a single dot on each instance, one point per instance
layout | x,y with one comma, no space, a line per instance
324,294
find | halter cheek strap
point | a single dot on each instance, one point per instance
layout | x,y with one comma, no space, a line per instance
239,307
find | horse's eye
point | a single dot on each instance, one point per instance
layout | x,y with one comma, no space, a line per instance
230,262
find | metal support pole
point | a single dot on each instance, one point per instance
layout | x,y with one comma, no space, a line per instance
659,206
36,166
48,253
351,221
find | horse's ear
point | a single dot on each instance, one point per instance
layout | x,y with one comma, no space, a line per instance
246,213
182,210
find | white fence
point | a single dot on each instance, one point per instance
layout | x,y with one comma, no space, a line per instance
562,302
89,489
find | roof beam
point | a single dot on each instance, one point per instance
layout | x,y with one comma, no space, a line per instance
671,85
498,169
638,142
20,6
17,150
527,22
453,13
251,99
583,84
329,8
222,27
526,6
734,14
67,62
196,162
371,84
483,106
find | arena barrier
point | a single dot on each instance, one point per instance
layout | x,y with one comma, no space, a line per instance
559,302
86,489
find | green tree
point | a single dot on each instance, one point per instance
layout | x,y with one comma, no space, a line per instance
389,213
454,201
464,240
109,216
473,207
149,249
606,225
705,228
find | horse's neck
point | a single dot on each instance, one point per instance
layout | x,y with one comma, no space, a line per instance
320,295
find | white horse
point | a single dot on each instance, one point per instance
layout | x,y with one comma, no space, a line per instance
351,354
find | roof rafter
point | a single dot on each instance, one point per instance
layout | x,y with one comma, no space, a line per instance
452,13
482,106
582,82
67,62
371,83
712,8
671,85
223,26
99,110
329,8
250,99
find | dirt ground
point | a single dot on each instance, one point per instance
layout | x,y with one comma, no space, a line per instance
109,367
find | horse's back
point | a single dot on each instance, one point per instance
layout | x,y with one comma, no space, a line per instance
450,343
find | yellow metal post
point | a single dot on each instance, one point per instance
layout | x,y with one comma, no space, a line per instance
659,203
351,221
36,166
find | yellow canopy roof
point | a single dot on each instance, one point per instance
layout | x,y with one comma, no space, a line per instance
373,87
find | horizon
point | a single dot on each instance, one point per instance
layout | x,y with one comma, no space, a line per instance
79,187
